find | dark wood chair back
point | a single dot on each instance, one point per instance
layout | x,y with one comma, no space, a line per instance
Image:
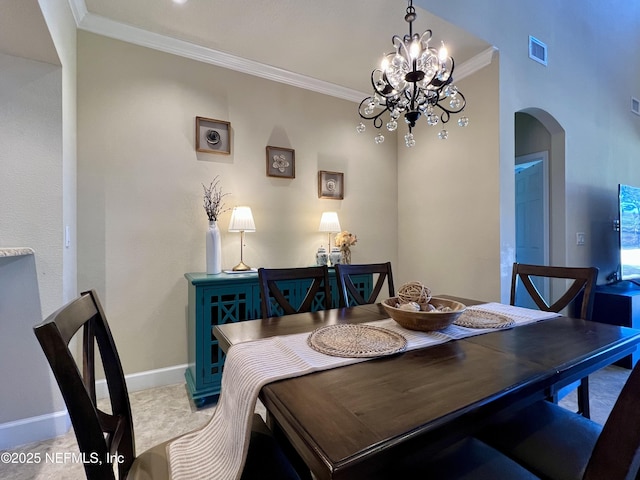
349,294
98,433
616,455
555,443
584,280
270,288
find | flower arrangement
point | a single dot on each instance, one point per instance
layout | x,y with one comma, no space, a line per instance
213,196
345,239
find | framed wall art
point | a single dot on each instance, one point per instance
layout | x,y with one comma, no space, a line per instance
281,162
213,136
330,185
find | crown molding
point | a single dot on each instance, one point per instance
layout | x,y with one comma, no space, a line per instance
109,28
78,10
476,63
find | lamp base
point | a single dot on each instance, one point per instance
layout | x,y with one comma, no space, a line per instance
241,267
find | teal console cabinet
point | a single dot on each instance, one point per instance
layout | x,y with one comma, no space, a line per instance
228,298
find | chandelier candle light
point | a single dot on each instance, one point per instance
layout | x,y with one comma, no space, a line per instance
241,221
413,81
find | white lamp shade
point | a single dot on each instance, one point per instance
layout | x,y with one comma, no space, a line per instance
329,222
242,220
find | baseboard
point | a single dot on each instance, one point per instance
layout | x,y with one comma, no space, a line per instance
33,429
44,427
149,379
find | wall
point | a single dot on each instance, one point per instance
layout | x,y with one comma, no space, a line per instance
141,224
30,412
62,29
593,71
531,136
32,199
449,197
37,134
30,216
30,161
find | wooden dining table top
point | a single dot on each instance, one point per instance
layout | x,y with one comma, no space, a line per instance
354,422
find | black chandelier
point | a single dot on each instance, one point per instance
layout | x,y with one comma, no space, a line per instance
413,81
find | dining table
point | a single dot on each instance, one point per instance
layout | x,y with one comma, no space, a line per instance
362,420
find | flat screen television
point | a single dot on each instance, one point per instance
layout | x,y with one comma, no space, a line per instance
629,211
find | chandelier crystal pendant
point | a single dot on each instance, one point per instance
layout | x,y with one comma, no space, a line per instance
413,81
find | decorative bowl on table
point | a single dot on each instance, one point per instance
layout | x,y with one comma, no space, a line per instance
444,313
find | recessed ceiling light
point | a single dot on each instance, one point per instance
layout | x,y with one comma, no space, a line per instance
180,2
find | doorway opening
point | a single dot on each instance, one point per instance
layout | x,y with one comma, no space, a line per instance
539,196
532,218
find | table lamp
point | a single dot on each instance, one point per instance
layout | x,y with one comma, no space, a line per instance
329,223
241,221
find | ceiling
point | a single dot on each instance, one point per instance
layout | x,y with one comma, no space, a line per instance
24,33
335,42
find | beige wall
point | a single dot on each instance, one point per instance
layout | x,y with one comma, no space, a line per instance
449,196
140,216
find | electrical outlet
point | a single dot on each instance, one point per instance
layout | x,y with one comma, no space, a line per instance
580,238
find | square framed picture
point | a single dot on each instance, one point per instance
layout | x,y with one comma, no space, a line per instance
281,162
213,136
330,185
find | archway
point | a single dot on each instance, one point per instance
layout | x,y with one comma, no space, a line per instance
540,139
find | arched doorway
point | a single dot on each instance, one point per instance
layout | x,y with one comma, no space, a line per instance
539,191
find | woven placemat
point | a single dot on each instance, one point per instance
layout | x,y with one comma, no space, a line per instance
356,341
476,318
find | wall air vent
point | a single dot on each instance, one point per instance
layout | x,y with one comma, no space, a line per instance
635,105
537,50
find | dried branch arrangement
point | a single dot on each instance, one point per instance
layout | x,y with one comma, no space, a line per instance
213,200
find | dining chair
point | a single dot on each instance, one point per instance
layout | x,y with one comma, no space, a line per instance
102,435
349,294
293,290
555,443
583,281
468,459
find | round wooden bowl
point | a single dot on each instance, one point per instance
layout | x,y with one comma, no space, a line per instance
425,321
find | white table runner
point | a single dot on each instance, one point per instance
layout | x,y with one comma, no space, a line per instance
218,450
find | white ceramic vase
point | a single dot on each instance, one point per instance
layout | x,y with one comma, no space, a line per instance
214,249
335,256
